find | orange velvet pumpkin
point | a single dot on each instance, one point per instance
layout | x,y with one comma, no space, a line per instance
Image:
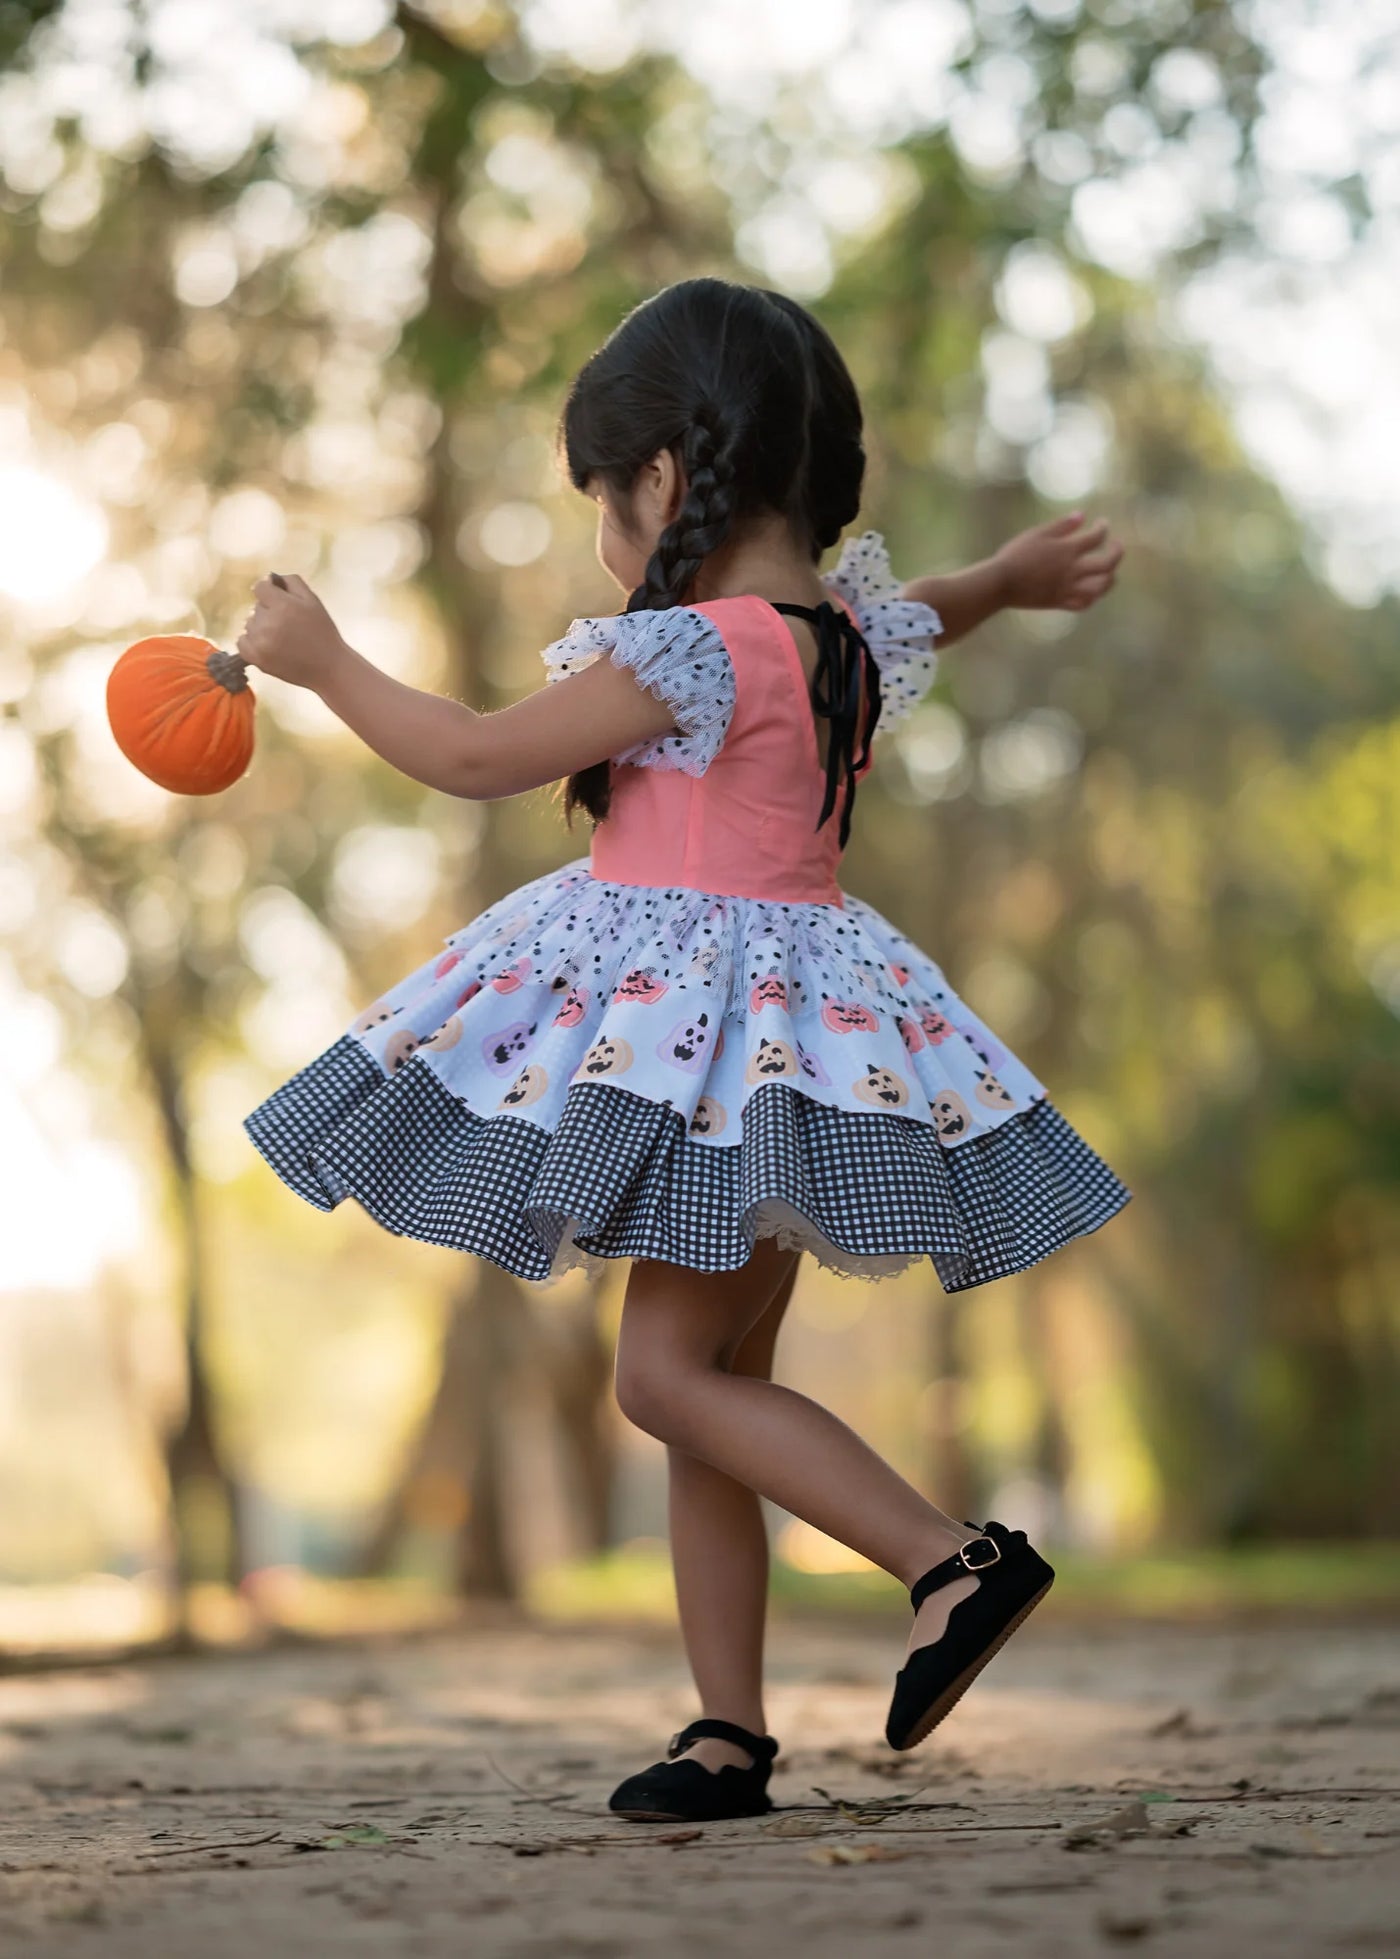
182,711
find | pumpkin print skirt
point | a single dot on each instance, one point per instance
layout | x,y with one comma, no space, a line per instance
593,1070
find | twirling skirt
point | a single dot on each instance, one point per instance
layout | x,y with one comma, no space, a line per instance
592,1070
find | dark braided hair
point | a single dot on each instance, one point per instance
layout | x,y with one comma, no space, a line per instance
752,398
703,521
834,467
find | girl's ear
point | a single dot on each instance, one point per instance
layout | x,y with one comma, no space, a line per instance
660,489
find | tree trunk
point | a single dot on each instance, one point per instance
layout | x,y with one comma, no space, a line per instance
579,1366
950,1472
491,1318
488,1323
208,1524
454,1482
1051,1457
460,1447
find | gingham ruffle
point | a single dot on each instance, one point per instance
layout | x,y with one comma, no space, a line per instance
867,1194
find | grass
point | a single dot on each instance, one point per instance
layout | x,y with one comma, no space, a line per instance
634,1582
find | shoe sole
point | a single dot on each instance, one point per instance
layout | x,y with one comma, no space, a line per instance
669,1816
950,1696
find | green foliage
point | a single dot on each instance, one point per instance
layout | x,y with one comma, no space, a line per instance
634,1583
1188,929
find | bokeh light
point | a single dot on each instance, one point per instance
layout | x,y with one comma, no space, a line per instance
49,537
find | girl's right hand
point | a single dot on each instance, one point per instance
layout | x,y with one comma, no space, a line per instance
1058,565
290,633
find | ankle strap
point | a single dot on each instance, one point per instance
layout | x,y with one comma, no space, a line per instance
761,1747
988,1548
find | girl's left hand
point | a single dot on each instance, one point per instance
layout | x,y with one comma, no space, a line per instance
1059,565
290,633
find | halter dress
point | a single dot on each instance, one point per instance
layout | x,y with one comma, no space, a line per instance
692,1038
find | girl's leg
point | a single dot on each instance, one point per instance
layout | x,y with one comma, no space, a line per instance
680,1333
719,1551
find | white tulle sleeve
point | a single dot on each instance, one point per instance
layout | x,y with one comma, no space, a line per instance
899,633
679,656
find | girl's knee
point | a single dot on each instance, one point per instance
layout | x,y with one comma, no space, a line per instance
677,1329
651,1392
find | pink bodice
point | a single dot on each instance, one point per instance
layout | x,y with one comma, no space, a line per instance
746,828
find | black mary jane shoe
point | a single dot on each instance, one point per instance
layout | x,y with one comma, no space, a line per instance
688,1792
1012,1579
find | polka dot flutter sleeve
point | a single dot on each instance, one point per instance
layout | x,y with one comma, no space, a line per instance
679,656
900,634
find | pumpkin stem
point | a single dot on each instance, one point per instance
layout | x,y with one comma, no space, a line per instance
229,669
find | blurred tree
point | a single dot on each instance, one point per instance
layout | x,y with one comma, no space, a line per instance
1112,888
333,326
507,294
465,348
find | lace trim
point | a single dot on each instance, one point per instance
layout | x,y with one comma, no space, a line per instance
676,654
900,633
773,1220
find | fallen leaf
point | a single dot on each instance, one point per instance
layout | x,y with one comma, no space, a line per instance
1130,1820
855,1853
355,1836
1122,1822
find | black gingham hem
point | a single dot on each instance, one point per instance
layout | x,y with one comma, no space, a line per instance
867,1194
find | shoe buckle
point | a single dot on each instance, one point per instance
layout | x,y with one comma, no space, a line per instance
673,1747
980,1564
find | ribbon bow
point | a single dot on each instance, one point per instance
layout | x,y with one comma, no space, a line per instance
842,655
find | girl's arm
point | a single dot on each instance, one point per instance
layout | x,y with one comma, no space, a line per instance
1055,565
565,725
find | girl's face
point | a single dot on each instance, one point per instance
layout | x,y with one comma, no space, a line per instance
628,527
621,552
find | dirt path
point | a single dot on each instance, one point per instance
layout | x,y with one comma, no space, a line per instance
357,1802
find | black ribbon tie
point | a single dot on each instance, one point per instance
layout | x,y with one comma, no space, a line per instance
842,656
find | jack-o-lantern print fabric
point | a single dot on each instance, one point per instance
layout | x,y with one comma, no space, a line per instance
694,1002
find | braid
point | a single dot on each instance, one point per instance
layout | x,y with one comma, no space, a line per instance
700,525
698,529
723,376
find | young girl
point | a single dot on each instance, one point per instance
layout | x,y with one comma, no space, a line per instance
691,1048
